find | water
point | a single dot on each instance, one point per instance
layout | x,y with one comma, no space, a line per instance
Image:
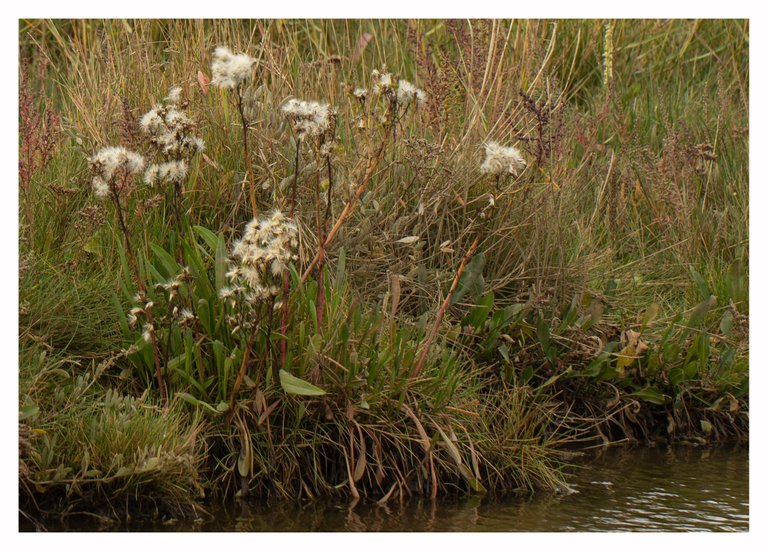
658,489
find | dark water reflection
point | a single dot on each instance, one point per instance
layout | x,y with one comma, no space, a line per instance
620,490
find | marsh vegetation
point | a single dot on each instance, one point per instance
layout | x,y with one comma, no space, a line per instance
373,258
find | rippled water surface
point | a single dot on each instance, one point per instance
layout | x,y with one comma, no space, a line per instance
620,490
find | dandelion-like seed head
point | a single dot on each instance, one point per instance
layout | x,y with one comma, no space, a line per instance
111,159
230,70
170,131
171,171
151,122
407,93
267,247
174,95
186,317
107,163
502,160
309,118
100,187
146,334
382,82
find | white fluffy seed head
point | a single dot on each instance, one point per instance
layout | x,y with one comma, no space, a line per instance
152,122
382,82
170,130
172,172
502,160
230,70
111,159
100,187
267,247
308,118
174,95
407,93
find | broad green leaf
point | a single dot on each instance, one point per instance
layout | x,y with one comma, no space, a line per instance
294,385
93,246
210,238
474,483
471,281
171,266
676,376
650,394
221,263
477,316
726,323
453,451
28,412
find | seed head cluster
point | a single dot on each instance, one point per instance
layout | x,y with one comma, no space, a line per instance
230,70
108,163
170,132
171,171
407,93
267,247
309,118
360,93
501,160
382,82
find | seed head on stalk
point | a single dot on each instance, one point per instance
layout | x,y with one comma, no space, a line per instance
500,160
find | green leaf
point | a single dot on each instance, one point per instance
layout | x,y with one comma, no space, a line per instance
595,367
650,315
676,376
93,246
210,238
690,370
471,281
294,385
171,266
221,263
700,311
504,351
542,331
477,316
453,451
341,267
726,323
473,482
526,375
650,394
195,402
121,319
700,283
28,412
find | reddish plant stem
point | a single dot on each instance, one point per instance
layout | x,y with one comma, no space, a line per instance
244,363
446,302
347,209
